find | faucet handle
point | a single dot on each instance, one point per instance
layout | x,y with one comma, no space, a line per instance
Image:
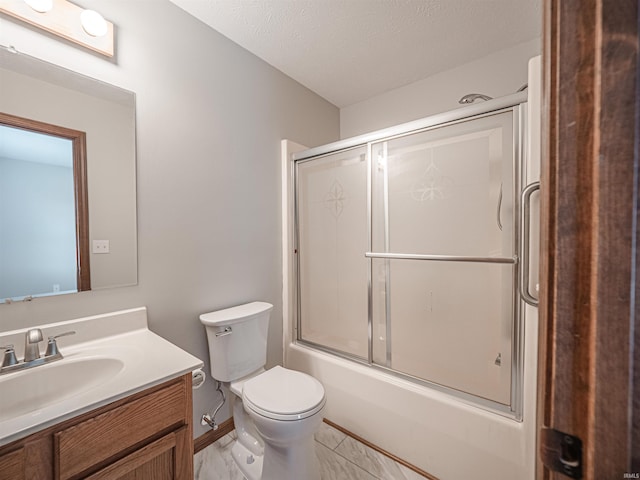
52,346
9,356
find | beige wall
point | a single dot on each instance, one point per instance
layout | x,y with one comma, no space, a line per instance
496,75
210,117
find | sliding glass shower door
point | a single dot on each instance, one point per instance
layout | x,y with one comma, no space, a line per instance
443,255
332,238
407,255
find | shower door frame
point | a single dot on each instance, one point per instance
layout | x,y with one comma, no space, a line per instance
517,104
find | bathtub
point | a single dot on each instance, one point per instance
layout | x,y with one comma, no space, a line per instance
432,430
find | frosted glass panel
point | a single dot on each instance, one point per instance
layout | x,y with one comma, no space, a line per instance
332,229
449,323
446,191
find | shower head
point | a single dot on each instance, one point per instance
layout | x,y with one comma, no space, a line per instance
471,97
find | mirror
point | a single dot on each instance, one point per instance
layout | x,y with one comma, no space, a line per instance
82,209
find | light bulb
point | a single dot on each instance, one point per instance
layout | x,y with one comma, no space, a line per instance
40,6
93,23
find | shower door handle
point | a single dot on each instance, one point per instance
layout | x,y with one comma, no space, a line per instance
499,210
525,254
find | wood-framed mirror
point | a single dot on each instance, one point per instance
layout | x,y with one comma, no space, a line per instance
41,96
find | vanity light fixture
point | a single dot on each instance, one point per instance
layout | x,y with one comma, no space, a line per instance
93,23
65,19
40,6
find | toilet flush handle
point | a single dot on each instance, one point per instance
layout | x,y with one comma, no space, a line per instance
226,331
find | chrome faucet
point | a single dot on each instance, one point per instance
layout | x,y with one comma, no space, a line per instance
32,340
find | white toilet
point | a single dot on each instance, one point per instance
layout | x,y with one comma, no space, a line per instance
282,407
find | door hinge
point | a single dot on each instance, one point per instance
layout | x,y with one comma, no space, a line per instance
561,452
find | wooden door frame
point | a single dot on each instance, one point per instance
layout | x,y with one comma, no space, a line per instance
589,358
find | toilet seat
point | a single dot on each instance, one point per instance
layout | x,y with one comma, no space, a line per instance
283,394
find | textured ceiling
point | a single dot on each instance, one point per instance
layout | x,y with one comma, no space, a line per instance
351,50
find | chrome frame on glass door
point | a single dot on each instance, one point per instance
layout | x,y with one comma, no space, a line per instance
517,104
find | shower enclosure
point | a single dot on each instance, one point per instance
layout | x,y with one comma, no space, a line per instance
409,252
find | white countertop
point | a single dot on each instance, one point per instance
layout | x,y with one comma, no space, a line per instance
143,359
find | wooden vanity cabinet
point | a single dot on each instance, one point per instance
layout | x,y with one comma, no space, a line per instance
145,436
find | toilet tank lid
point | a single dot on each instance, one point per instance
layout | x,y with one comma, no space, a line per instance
235,314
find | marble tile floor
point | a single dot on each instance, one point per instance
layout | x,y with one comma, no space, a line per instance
340,457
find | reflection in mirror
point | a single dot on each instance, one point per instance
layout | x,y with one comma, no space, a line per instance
48,95
44,244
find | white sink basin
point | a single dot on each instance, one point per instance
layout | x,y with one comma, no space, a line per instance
27,391
111,356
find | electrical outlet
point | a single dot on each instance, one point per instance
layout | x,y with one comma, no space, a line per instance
100,246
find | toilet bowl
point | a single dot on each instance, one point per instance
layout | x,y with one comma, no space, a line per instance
275,412
285,408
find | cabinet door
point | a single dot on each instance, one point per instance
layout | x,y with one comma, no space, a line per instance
98,440
32,460
12,465
160,460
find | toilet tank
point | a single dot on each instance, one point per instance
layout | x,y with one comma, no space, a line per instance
237,339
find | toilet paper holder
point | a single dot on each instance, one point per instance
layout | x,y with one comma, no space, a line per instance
197,378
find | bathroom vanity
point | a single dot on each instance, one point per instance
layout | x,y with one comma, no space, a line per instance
144,436
117,406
